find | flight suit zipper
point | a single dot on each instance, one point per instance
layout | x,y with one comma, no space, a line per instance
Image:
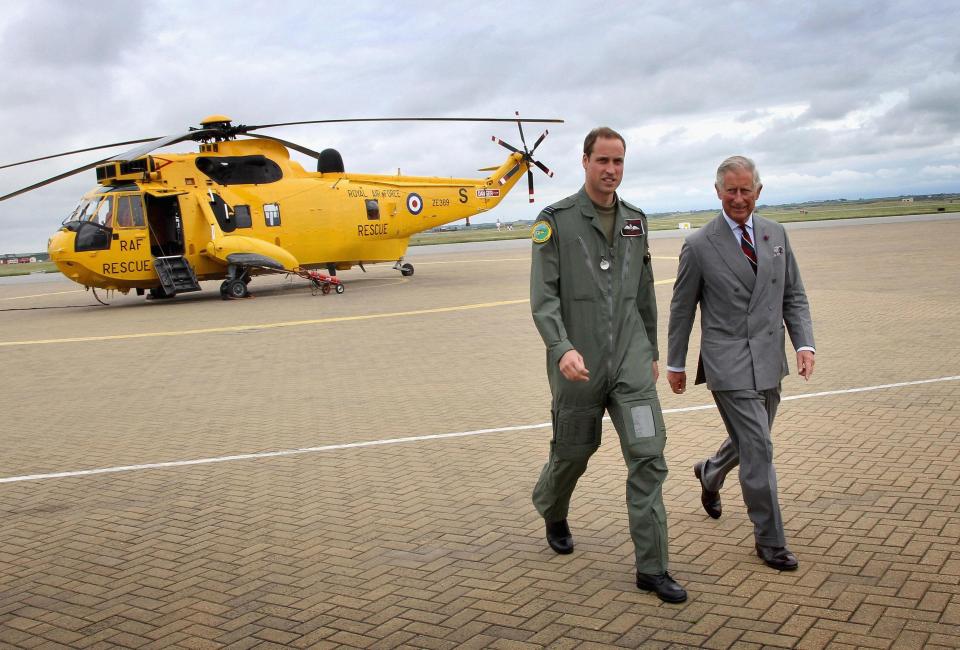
610,313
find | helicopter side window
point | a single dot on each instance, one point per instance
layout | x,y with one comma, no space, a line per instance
241,216
240,170
129,212
223,213
271,214
124,212
91,237
137,211
373,209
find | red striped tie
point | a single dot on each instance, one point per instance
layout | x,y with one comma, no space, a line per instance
747,247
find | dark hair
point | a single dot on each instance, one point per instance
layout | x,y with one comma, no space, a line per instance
600,132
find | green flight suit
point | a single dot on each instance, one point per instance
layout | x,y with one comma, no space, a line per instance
598,298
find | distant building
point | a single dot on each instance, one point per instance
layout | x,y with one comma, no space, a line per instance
909,199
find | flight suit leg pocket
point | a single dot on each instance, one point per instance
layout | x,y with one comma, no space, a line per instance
577,432
641,427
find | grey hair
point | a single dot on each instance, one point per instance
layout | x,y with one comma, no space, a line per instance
737,162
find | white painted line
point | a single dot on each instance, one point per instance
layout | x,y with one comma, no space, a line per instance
41,295
435,436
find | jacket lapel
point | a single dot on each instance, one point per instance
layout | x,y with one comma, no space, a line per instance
764,257
726,244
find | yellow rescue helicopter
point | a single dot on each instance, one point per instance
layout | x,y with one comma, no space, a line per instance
162,222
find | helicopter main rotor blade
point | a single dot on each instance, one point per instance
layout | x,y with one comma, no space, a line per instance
53,179
70,153
401,119
139,152
286,143
530,183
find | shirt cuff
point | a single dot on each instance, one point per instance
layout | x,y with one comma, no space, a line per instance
806,347
676,369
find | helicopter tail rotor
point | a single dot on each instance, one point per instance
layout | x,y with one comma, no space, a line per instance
527,157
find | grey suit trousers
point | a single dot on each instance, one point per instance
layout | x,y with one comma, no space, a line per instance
748,416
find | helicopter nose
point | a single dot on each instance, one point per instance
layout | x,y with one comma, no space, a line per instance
58,244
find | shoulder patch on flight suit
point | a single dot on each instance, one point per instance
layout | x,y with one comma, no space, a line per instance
549,210
541,232
631,207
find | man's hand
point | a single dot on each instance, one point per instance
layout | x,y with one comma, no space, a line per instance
656,372
572,367
677,381
805,363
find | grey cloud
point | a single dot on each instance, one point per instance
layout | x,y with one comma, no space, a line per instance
71,34
129,70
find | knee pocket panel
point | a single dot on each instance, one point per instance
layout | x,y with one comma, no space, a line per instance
576,432
640,424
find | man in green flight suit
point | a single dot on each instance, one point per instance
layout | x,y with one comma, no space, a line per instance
593,302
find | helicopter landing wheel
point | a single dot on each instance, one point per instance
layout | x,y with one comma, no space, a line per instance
406,269
339,288
233,289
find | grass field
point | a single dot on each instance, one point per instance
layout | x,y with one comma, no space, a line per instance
25,269
782,213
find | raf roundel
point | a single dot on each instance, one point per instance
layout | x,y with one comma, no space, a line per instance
414,203
541,232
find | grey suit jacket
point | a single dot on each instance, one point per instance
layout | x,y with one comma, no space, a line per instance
742,315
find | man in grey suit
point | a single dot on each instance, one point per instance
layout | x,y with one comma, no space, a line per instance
741,271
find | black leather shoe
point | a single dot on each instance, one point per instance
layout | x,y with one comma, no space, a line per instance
709,499
559,537
777,557
663,585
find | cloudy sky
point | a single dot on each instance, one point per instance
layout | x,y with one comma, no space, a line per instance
832,99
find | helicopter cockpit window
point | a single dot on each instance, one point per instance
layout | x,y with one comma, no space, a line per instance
80,212
102,212
271,214
240,170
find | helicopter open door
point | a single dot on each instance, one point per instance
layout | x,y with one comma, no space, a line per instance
165,224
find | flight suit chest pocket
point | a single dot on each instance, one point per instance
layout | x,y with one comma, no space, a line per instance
579,270
636,256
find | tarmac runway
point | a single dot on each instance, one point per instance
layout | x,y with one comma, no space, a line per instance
354,470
